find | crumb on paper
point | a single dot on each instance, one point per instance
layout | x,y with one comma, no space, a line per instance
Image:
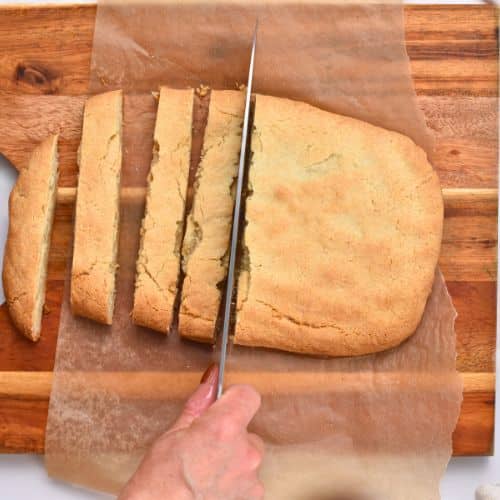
240,86
155,94
202,90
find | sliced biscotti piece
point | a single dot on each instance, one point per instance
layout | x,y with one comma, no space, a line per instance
97,209
209,222
343,233
158,263
31,213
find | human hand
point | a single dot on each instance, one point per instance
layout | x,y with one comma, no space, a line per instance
208,453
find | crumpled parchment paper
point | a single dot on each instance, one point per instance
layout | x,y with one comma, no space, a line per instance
373,427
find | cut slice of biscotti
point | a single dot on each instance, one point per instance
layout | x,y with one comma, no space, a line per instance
97,209
158,263
31,213
209,223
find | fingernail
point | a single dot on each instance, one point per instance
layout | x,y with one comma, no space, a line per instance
211,374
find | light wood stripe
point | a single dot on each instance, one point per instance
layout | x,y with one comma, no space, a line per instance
176,385
451,196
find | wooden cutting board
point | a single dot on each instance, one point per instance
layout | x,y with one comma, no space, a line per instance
44,70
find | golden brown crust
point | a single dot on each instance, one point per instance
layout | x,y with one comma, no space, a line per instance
159,255
209,222
97,209
344,232
31,213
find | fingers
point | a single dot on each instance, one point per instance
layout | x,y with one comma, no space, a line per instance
252,489
201,399
235,408
254,452
256,492
257,443
211,375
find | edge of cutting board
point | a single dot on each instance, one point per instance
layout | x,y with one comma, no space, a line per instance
23,412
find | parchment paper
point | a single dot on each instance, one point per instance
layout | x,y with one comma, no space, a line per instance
373,427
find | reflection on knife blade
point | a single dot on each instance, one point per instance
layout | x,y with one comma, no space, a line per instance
236,222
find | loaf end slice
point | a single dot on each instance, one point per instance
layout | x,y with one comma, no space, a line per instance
31,214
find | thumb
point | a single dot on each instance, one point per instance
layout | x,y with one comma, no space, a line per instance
201,399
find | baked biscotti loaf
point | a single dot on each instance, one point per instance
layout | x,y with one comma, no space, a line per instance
209,223
343,233
97,209
31,213
158,263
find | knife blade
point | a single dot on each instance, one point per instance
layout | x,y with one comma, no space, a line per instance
236,222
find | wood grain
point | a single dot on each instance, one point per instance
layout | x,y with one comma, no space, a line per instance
44,70
24,400
452,53
464,127
34,386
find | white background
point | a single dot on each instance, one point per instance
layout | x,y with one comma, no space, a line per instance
23,477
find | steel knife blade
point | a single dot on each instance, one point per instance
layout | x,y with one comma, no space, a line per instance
236,222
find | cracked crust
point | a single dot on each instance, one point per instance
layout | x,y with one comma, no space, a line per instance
209,222
344,232
31,214
97,209
158,262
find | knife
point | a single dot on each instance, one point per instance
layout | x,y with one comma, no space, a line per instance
236,222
